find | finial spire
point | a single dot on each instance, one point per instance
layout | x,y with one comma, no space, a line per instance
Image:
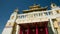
16,10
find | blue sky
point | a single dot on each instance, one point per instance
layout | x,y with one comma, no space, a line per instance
8,6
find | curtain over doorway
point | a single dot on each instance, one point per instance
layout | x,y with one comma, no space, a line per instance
35,30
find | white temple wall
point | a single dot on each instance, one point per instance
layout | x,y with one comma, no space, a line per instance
7,31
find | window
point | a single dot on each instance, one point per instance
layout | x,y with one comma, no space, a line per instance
12,17
35,15
22,16
50,13
45,13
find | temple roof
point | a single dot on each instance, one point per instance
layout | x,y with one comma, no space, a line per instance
35,8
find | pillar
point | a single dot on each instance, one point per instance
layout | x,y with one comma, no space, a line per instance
51,23
36,29
46,29
17,29
20,30
28,30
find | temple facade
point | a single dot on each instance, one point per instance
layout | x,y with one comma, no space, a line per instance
35,20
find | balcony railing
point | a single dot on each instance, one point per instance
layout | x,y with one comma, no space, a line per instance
39,14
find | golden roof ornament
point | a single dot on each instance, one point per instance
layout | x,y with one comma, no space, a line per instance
34,6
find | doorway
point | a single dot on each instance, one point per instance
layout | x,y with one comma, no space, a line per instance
36,28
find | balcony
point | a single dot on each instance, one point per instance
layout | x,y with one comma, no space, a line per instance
37,16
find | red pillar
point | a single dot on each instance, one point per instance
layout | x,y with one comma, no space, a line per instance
36,29
20,30
28,30
46,29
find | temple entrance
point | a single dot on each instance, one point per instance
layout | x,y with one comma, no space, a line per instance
34,28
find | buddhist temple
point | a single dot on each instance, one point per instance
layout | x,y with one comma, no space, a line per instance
35,20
